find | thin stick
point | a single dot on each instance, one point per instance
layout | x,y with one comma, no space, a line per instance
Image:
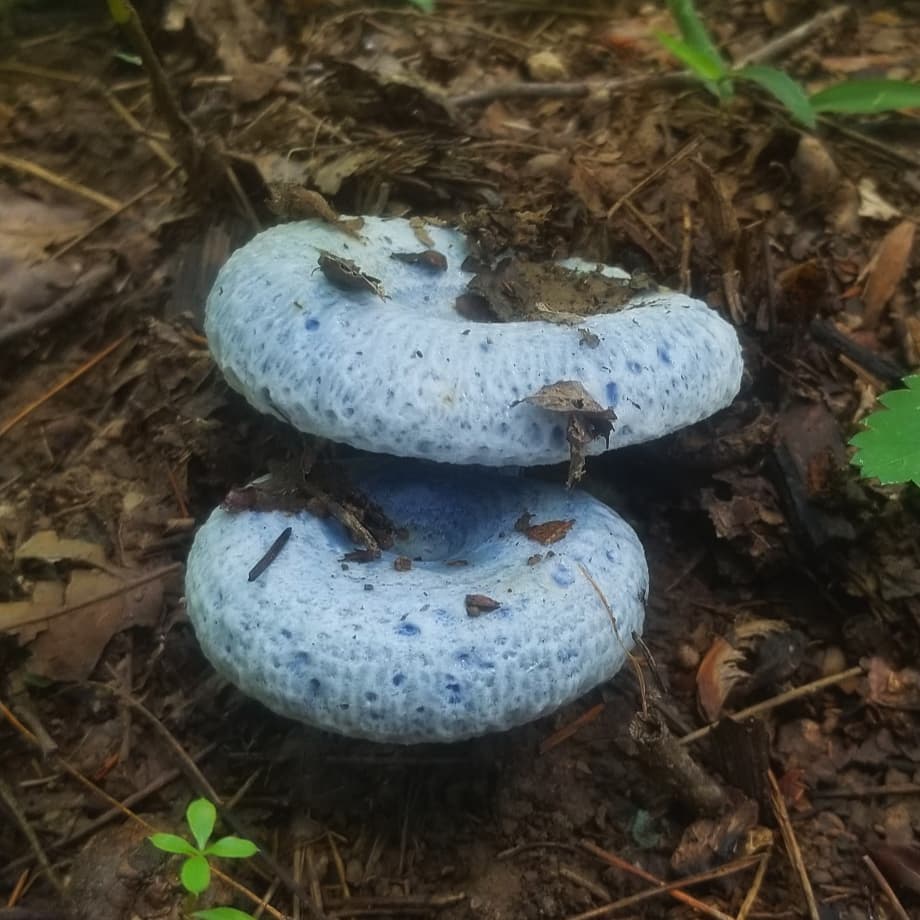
573,90
797,36
12,803
25,412
190,767
155,785
896,905
673,890
598,891
566,732
85,288
578,90
58,181
792,845
780,700
722,872
672,160
158,150
133,200
152,575
339,865
750,899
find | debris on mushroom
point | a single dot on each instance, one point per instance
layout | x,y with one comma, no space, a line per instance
400,654
413,377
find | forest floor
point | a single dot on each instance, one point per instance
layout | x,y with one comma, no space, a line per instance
784,588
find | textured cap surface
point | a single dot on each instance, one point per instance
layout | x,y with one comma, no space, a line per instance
374,652
410,376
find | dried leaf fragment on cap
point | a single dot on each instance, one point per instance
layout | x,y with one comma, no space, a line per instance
345,274
546,533
478,604
588,419
429,259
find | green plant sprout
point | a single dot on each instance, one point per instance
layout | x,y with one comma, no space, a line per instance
195,873
696,49
889,446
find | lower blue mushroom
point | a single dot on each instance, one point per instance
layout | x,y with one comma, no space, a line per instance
376,651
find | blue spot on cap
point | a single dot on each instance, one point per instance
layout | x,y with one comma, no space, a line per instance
634,367
407,629
398,678
664,355
613,393
311,324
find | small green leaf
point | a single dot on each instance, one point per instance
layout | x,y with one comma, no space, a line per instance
201,815
195,874
866,97
232,848
170,843
700,63
695,34
889,447
222,913
784,88
426,6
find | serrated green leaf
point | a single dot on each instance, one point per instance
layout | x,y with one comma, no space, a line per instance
222,913
889,447
701,65
201,815
232,848
784,88
695,34
866,97
170,843
195,874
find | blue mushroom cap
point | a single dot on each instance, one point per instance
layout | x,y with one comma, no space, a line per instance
408,375
367,650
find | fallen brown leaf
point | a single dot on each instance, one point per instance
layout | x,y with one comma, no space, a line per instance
889,267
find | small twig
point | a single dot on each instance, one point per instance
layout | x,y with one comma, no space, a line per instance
893,900
665,888
11,802
780,700
190,767
152,575
25,412
339,864
569,729
797,36
664,755
271,554
672,160
156,148
570,90
87,830
599,891
792,845
672,889
750,899
58,181
84,289
133,200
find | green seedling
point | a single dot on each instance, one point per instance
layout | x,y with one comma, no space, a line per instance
195,874
696,49
889,446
